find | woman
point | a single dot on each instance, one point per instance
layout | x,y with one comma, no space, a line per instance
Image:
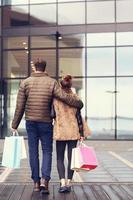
66,133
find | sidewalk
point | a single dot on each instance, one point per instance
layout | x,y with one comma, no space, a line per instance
113,178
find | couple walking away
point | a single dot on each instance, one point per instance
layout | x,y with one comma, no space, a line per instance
35,98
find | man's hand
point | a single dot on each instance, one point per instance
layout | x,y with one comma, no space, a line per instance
13,130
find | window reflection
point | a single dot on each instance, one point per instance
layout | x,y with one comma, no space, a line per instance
100,12
100,39
10,96
72,40
43,14
100,61
124,108
69,0
78,86
125,61
43,41
0,21
15,16
101,107
15,64
124,11
15,2
71,13
72,61
124,38
42,1
15,42
49,56
0,62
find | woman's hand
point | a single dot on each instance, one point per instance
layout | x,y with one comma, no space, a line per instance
82,139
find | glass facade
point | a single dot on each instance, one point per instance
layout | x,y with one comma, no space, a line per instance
90,39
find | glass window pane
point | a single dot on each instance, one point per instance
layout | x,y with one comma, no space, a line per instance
100,12
42,1
125,60
15,64
43,42
125,38
72,61
49,56
100,39
72,40
124,11
15,42
69,0
10,96
124,108
15,16
15,2
43,14
0,59
100,61
101,107
71,13
78,86
0,21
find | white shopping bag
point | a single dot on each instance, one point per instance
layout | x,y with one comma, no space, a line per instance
14,151
76,159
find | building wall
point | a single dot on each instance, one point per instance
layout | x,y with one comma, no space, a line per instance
92,40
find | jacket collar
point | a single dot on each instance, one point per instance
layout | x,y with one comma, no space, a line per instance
40,74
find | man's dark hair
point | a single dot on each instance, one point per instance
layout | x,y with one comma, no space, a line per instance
40,65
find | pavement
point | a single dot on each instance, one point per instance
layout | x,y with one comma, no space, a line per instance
115,165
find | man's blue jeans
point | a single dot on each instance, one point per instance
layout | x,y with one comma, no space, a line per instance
44,132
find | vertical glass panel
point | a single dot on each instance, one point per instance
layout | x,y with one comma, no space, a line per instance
68,0
0,107
0,21
41,1
15,42
49,56
124,11
72,61
0,57
10,96
78,86
71,13
125,60
43,14
101,107
72,40
0,92
100,61
124,38
43,41
124,108
15,64
15,16
100,39
100,12
15,2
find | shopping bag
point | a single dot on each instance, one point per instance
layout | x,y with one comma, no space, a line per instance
83,158
14,151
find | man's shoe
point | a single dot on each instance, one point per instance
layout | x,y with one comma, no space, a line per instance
44,187
37,187
62,189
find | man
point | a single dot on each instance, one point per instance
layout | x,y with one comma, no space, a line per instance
34,98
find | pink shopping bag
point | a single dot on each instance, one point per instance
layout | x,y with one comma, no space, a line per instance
88,157
83,158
